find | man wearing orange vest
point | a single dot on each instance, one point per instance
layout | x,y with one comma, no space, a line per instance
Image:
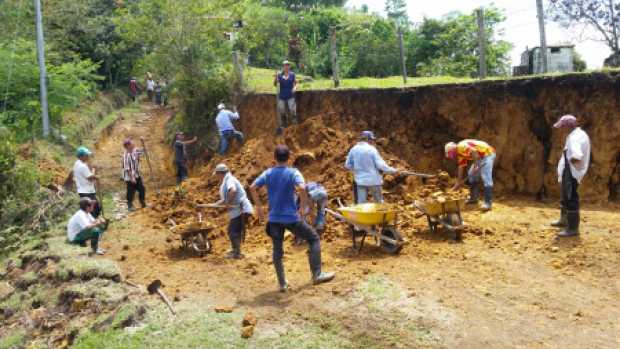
482,155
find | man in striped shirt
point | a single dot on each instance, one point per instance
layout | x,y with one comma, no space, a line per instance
132,175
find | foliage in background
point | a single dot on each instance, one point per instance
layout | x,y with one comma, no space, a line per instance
579,64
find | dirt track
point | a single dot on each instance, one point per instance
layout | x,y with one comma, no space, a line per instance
510,283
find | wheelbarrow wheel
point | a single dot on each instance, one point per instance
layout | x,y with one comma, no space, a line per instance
201,244
389,247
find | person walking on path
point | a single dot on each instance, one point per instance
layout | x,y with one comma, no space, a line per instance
572,168
180,155
234,197
83,227
84,178
132,174
224,121
282,183
286,97
133,88
150,87
483,156
157,91
367,166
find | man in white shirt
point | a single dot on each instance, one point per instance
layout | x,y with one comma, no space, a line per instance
572,167
224,121
84,178
234,197
83,226
367,166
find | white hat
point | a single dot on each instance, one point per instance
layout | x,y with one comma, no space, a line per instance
221,168
450,150
286,62
221,106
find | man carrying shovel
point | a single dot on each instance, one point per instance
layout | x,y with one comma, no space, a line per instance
132,174
282,184
483,156
233,197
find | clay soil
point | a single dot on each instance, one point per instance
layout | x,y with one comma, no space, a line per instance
508,283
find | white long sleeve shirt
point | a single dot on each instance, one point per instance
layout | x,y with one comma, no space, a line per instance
224,120
577,147
366,162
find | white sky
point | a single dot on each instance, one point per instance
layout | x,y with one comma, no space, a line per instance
521,26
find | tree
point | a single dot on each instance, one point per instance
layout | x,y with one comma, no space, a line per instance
602,15
301,5
579,64
397,11
449,46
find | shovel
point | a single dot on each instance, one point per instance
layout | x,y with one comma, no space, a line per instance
417,174
211,206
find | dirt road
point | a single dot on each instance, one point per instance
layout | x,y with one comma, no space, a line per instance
510,285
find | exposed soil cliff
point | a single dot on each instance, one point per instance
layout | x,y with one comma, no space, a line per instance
515,116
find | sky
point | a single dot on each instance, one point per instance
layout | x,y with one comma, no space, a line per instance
520,28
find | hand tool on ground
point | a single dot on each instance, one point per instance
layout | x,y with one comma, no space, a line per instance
155,287
417,174
211,206
148,161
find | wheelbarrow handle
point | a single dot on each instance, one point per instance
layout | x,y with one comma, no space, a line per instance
417,174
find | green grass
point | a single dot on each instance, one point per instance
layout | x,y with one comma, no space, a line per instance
14,340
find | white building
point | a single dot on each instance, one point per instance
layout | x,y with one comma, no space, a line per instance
559,59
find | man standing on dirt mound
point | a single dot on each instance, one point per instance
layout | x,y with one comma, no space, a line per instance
286,97
282,183
84,177
576,154
483,156
234,197
224,121
180,155
367,164
132,175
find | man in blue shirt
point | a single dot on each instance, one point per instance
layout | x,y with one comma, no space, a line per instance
286,97
224,121
282,183
365,162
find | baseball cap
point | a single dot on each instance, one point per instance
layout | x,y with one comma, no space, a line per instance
367,135
221,106
286,62
127,142
221,168
450,150
83,151
566,121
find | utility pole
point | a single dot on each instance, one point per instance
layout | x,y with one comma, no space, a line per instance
334,56
42,71
613,26
543,36
403,59
482,50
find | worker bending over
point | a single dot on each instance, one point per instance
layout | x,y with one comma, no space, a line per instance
234,197
367,165
282,183
482,155
83,226
224,121
576,154
317,195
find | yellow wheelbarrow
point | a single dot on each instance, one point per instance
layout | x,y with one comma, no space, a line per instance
372,219
446,213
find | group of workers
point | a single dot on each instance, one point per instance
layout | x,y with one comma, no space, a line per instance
156,91
291,200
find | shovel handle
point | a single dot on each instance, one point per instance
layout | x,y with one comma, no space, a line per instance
423,175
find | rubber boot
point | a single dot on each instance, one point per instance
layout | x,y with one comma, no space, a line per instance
572,229
323,277
488,199
279,266
235,252
474,193
562,222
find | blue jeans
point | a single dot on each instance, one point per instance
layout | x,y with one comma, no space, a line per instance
225,137
374,190
319,196
301,230
485,172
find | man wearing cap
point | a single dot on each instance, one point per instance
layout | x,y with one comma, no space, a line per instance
286,97
84,178
224,121
132,175
482,155
234,197
180,155
83,226
282,184
367,165
572,167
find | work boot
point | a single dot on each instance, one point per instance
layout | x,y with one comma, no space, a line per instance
323,277
474,193
280,274
560,223
572,219
488,199
130,209
143,204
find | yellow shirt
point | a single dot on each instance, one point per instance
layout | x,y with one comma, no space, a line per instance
467,147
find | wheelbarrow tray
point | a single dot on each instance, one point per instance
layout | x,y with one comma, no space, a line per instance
369,214
439,208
